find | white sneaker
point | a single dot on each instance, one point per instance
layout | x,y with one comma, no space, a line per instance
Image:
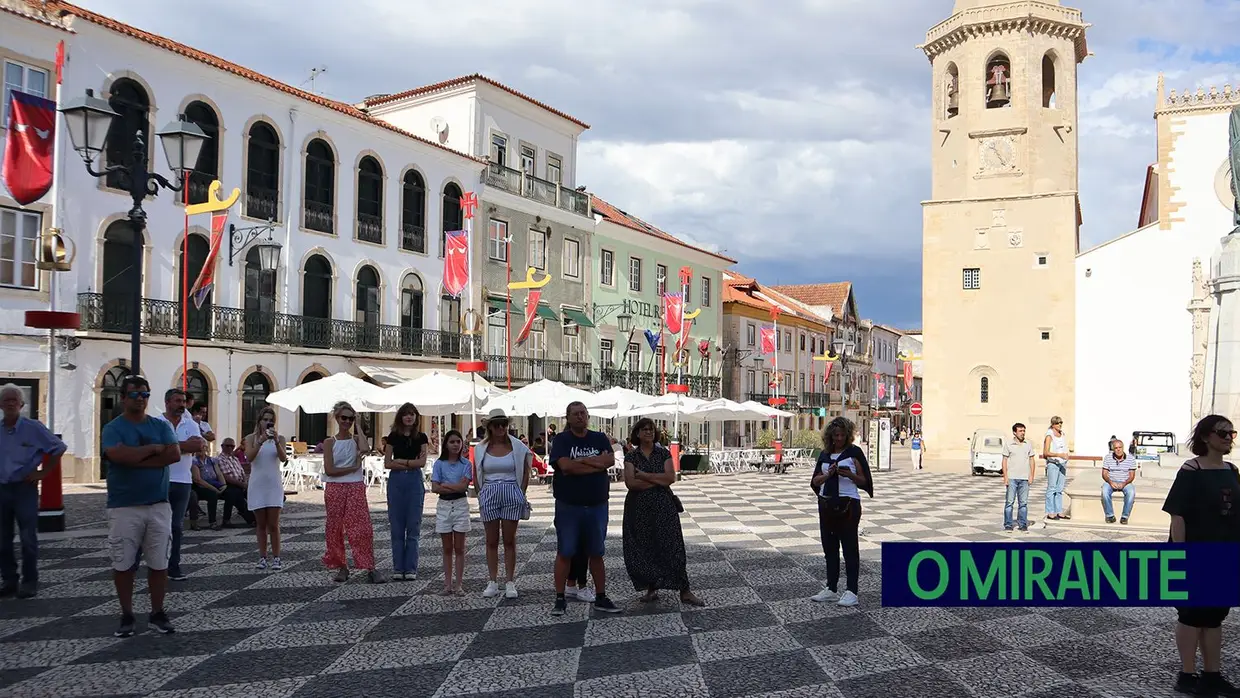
848,599
276,564
827,595
491,591
510,590
585,594
262,564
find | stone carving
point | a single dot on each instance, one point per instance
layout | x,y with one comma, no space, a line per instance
998,218
1199,307
981,240
1015,238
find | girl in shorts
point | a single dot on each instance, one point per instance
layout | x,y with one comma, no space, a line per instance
450,477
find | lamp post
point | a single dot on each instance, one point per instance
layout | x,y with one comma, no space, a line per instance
842,348
88,120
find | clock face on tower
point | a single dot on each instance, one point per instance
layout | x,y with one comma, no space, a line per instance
997,154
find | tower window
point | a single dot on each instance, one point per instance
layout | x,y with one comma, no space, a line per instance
951,91
998,82
1041,260
1048,81
983,395
972,279
1046,335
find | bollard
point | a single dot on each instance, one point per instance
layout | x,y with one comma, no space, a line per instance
779,454
675,448
52,497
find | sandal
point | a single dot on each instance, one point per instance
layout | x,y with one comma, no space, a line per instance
690,598
447,591
652,595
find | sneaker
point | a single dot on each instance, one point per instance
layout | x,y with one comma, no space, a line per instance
276,564
160,622
1186,683
848,599
1023,529
341,575
1213,684
1111,519
28,590
560,607
510,590
827,595
1124,520
491,591
604,604
178,576
126,627
262,564
411,576
375,577
584,594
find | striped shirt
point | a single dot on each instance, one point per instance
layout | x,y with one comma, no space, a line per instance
1119,469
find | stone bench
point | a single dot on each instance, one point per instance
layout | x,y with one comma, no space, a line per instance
1083,496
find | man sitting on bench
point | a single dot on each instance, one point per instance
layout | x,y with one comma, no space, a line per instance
1119,470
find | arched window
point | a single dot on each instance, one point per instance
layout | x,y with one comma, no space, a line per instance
984,390
998,81
259,301
198,318
262,184
110,403
320,191
197,387
133,107
366,311
413,213
370,200
120,284
951,91
316,302
311,428
254,391
207,169
453,217
1048,81
411,303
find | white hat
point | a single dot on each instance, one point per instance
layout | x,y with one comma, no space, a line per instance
496,414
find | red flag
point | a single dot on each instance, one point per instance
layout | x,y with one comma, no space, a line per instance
28,147
206,278
826,371
768,340
60,63
882,390
455,262
531,312
683,338
673,311
908,377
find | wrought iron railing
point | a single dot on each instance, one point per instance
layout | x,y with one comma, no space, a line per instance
765,398
815,400
541,190
576,201
320,217
413,238
370,228
527,370
652,383
260,203
114,313
504,177
550,193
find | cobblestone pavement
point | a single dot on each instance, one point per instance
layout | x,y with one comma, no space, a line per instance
754,557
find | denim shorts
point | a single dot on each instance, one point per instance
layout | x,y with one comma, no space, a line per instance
580,529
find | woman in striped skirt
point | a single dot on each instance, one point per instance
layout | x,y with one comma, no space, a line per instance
502,476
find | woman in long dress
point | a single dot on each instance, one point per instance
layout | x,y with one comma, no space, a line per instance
264,451
654,545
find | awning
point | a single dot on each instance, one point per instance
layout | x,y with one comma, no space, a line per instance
500,305
577,317
545,312
387,376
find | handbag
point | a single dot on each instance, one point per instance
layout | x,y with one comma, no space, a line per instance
835,510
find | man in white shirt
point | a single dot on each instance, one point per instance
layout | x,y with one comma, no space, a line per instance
180,474
199,410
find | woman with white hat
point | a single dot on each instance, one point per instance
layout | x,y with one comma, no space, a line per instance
502,475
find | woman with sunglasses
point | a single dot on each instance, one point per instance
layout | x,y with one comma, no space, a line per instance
1204,508
264,449
344,498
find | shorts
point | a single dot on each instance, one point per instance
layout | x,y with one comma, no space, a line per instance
145,530
501,499
452,516
580,529
1203,616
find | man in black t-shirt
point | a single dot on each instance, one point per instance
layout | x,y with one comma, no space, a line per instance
581,487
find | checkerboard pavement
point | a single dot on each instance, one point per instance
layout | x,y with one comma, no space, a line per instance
754,557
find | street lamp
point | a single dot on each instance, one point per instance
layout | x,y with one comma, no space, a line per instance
268,250
88,120
624,323
842,348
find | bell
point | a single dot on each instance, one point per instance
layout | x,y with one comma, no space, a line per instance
998,96
56,252
953,102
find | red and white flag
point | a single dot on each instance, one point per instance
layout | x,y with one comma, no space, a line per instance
206,278
908,377
531,312
455,262
768,340
31,133
673,312
683,338
826,371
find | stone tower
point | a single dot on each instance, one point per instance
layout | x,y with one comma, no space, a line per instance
1000,231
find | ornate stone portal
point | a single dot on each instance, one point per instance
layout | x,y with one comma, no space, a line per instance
1199,307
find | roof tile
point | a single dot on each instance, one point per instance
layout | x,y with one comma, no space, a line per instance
834,295
454,82
627,220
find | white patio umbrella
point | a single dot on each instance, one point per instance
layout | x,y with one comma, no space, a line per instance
546,397
318,397
761,409
723,410
610,403
668,406
435,394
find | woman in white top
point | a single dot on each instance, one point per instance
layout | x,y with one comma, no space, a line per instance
503,474
344,498
840,476
1055,451
264,451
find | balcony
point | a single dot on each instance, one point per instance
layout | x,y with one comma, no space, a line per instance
160,318
260,203
413,238
815,400
540,190
369,228
765,399
651,382
321,217
528,370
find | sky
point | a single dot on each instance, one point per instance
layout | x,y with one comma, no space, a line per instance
793,136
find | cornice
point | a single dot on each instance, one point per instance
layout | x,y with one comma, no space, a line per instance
1022,16
1201,101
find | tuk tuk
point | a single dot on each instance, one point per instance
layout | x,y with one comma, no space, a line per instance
1149,445
986,451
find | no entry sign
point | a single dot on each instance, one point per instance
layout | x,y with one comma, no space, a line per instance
915,409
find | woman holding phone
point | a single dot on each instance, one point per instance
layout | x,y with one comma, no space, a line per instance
840,476
264,450
344,498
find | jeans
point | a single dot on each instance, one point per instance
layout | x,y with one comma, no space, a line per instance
1130,496
841,536
19,504
1017,493
207,496
235,498
1056,478
178,497
580,529
405,495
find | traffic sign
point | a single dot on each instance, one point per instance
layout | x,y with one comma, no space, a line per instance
915,409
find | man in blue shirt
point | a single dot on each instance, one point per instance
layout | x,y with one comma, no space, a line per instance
137,451
581,487
23,444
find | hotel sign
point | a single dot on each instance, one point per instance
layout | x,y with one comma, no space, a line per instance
641,308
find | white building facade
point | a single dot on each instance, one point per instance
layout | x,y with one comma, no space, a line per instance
355,205
1139,360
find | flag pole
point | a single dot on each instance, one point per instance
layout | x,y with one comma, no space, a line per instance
52,286
508,305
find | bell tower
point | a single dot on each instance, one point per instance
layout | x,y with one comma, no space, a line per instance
1000,231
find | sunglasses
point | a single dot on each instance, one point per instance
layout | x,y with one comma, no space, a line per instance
1225,433
345,418
139,395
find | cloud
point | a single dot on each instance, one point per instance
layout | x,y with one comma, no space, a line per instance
795,136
